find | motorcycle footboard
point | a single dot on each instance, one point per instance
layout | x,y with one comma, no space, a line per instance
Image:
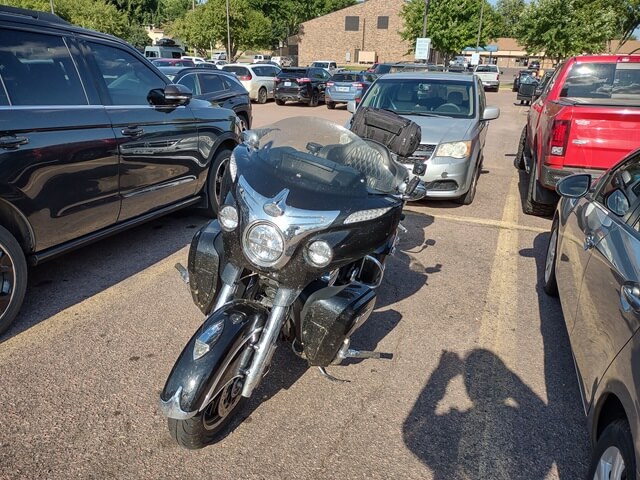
329,316
218,342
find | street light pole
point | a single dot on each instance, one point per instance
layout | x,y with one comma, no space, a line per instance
228,35
52,10
480,25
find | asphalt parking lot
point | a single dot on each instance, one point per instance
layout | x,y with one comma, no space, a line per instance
481,384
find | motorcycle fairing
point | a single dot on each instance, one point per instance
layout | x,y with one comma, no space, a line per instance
205,259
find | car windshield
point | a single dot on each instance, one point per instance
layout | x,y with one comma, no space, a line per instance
407,96
317,154
595,82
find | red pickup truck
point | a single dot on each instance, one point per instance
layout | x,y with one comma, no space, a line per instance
585,120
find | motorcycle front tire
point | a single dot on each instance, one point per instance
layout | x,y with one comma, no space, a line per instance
213,423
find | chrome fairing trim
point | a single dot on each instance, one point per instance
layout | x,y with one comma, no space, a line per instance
294,223
171,408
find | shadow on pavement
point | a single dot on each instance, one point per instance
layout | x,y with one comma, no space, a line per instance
506,431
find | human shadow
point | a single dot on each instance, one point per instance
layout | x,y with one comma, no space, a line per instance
496,433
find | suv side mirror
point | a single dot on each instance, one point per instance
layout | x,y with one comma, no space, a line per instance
173,95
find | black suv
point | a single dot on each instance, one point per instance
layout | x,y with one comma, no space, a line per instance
220,88
93,139
301,85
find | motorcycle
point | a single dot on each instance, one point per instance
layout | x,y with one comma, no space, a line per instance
309,212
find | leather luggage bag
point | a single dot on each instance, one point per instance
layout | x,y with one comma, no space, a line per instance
398,134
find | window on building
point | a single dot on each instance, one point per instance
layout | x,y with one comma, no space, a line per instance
383,23
351,24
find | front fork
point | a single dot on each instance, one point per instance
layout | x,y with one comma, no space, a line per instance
266,345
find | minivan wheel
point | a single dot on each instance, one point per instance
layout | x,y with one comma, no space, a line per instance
215,181
13,278
613,456
262,95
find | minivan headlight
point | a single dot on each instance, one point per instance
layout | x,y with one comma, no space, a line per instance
454,149
263,244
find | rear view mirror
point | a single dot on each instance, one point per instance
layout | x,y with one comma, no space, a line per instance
351,106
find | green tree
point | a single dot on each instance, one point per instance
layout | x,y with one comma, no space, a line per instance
170,10
452,26
508,12
625,18
207,25
561,28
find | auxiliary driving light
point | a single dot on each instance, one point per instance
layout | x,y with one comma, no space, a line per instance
319,253
228,217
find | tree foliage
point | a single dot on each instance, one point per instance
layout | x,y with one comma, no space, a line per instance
452,26
562,28
508,16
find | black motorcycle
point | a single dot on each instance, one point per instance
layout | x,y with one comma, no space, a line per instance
308,213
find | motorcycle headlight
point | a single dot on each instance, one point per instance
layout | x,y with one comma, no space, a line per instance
319,253
454,149
228,218
263,244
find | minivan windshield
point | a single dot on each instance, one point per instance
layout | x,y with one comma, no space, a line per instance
426,96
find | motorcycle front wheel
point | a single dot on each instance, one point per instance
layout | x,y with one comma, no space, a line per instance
211,424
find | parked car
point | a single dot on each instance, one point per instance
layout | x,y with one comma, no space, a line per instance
517,78
219,88
195,60
535,65
452,112
258,79
261,58
489,75
282,61
412,67
173,62
329,65
380,68
305,85
586,118
218,56
346,86
163,51
592,263
95,140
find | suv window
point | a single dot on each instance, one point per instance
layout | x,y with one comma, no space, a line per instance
189,80
37,69
128,81
211,83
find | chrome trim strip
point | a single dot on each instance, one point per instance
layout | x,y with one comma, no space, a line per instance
171,408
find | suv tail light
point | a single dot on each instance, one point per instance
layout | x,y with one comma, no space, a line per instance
559,137
357,85
277,80
244,77
304,80
330,84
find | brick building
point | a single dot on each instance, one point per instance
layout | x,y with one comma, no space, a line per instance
363,33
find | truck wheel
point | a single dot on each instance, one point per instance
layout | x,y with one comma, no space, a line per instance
518,162
13,278
531,207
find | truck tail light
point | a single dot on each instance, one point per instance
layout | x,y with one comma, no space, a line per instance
559,137
304,80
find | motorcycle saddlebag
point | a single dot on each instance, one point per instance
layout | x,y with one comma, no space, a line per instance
398,134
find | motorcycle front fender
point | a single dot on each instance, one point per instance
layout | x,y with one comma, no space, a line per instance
193,379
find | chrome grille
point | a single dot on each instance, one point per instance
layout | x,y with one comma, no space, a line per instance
423,153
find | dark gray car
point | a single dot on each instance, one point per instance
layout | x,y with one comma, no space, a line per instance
593,263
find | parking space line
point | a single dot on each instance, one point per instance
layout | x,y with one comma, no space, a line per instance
510,224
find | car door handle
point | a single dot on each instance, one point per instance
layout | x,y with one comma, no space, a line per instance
589,242
630,296
132,131
11,141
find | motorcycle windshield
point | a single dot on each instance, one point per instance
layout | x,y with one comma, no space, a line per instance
307,153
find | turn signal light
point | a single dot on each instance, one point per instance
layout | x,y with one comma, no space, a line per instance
559,137
304,80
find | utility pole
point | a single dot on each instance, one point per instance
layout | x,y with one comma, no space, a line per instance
480,25
228,35
424,18
52,10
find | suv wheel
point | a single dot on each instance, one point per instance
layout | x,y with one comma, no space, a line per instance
215,181
279,102
13,278
331,105
315,98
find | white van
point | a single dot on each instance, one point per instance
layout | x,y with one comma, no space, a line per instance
261,58
156,51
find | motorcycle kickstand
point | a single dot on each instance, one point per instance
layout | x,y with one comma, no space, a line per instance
328,376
